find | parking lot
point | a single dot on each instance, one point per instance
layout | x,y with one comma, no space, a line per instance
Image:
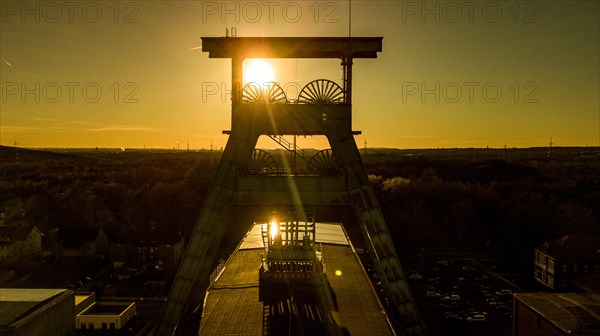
458,296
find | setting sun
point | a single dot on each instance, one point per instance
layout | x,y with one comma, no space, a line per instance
274,229
259,72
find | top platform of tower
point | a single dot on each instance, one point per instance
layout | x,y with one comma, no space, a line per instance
292,47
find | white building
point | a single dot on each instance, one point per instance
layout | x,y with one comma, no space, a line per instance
95,317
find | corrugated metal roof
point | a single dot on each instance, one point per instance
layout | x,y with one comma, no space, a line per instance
327,233
571,312
331,233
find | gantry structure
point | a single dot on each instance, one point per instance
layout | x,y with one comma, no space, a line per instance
249,176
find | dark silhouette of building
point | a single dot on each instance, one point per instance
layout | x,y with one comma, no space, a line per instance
18,243
80,243
559,262
152,252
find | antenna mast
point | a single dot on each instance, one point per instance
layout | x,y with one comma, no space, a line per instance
349,18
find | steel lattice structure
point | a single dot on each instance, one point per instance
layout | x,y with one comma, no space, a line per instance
322,108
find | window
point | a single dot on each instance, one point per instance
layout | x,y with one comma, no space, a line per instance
564,268
112,326
104,325
575,268
91,325
550,265
586,268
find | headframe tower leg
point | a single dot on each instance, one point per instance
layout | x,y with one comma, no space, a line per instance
199,256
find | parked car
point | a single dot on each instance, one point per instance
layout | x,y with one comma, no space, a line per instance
452,297
416,276
504,292
432,295
476,318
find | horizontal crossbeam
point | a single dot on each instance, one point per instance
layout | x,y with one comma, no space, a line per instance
292,47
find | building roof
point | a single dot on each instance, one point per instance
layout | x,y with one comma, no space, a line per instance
82,296
108,308
326,233
77,236
573,246
233,304
16,303
9,234
571,312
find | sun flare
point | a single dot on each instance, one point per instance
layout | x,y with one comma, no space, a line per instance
274,230
259,72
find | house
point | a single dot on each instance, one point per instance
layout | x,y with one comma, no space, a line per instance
160,254
81,242
555,314
164,254
18,243
559,262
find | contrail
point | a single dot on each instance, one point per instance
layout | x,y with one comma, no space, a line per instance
195,48
8,63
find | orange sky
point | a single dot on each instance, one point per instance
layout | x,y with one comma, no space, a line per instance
451,74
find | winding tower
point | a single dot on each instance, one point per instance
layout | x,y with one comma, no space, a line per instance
249,176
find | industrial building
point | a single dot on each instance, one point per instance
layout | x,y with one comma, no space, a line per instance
250,180
39,312
559,262
550,314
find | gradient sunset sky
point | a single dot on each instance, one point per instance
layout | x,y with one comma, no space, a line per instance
451,74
